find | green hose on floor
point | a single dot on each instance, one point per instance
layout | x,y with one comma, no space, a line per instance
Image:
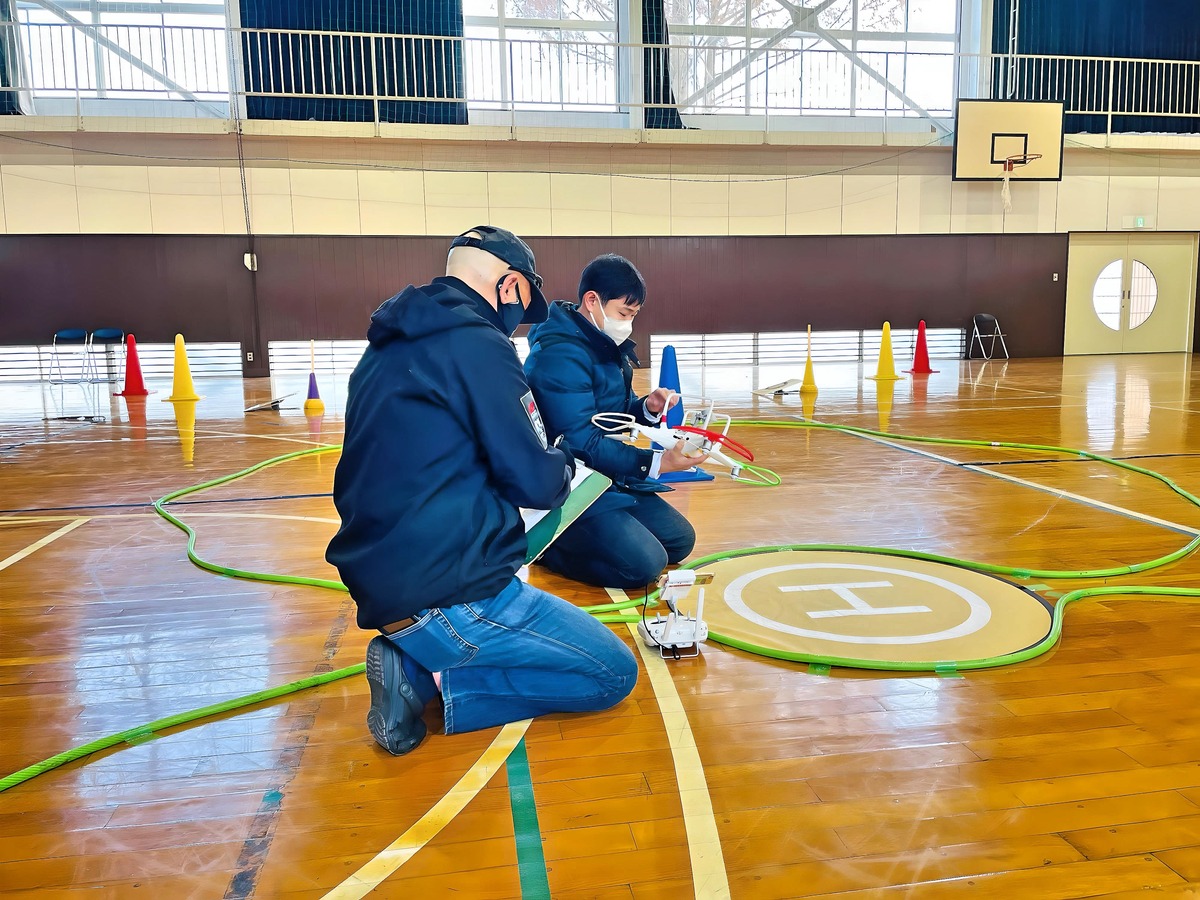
604,612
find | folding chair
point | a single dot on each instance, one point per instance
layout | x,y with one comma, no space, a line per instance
985,327
63,340
114,360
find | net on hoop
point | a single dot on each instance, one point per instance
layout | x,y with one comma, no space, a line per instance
1010,163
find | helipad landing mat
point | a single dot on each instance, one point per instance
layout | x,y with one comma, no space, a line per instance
868,607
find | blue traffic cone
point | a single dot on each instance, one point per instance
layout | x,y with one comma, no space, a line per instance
668,377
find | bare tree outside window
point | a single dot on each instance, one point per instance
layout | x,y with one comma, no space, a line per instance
834,57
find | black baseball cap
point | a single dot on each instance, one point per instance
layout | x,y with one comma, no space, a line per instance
507,246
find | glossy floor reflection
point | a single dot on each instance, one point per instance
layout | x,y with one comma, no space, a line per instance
1072,775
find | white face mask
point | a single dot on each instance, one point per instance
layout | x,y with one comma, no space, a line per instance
617,329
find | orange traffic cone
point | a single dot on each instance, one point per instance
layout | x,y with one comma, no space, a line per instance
135,386
920,364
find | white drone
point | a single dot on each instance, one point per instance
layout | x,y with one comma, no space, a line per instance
677,635
699,435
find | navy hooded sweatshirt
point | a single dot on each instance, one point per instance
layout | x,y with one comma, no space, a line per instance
576,371
443,445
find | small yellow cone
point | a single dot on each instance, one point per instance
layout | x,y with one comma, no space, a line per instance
185,423
313,406
182,387
809,384
885,392
886,369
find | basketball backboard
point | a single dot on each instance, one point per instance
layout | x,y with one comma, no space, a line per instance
988,132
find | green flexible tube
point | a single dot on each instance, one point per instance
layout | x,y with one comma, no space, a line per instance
606,611
160,508
144,732
890,665
1014,571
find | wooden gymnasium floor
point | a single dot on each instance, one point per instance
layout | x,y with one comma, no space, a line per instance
1076,774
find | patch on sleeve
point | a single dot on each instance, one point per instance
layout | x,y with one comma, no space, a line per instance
535,417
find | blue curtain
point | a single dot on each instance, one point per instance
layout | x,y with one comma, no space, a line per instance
656,71
1125,29
352,63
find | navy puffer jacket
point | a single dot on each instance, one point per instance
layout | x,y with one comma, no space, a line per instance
443,445
576,371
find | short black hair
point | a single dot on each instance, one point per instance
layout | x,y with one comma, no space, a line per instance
612,276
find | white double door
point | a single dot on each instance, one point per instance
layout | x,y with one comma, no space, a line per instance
1130,293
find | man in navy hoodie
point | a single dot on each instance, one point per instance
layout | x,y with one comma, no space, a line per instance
579,365
444,444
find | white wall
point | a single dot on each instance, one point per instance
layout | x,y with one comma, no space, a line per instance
305,180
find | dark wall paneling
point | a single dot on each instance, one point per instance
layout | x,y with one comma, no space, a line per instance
153,286
327,287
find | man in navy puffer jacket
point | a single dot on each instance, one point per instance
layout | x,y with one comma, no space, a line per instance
579,365
444,443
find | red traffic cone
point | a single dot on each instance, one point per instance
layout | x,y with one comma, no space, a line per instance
921,355
134,385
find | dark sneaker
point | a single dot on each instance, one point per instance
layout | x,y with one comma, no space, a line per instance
395,716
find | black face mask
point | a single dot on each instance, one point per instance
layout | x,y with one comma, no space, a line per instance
511,314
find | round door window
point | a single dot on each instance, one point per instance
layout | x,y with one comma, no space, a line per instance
1108,292
1106,295
1143,293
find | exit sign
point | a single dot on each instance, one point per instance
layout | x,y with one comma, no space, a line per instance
1137,221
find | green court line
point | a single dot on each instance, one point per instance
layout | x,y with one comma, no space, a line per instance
531,859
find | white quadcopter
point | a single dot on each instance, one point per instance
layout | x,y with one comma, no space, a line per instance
677,635
699,436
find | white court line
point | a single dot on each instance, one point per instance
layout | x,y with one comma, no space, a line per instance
26,520
1066,495
265,437
709,878
200,435
48,539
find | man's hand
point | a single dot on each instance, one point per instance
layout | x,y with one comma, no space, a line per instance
676,459
660,400
560,444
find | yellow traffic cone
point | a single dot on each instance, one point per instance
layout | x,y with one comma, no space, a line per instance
809,384
886,369
182,387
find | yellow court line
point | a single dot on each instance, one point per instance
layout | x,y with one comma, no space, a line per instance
38,545
401,850
709,879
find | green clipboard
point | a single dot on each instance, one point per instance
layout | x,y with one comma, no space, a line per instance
585,490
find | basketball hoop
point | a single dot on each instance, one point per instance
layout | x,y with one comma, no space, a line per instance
1010,163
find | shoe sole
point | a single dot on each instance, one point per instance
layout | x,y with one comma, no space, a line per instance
399,705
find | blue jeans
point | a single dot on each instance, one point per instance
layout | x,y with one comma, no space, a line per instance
627,547
520,654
